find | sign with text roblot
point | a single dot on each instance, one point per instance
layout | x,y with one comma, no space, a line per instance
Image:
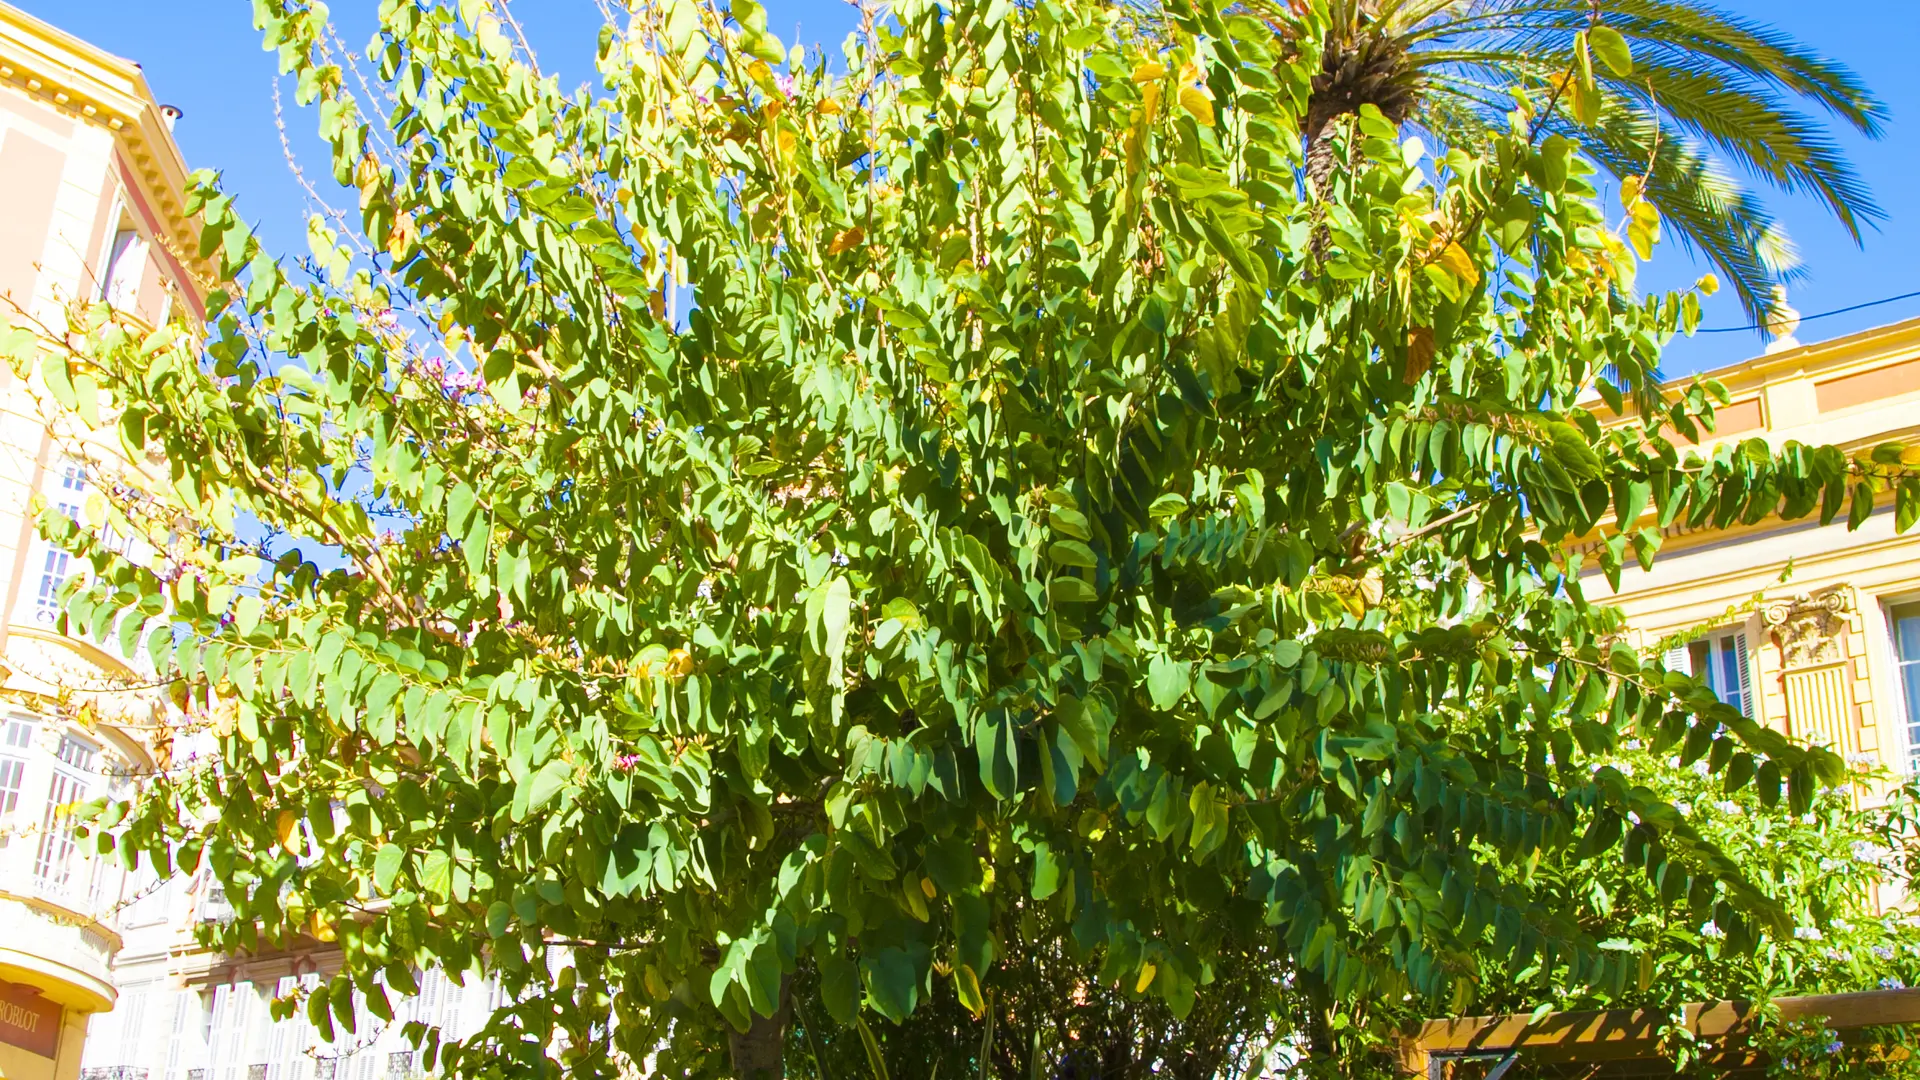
28,1020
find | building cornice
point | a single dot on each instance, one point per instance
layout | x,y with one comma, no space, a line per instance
1836,356
54,67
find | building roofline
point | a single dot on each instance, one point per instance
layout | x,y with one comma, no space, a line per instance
97,87
1873,343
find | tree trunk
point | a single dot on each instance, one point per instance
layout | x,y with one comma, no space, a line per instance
1320,153
759,1053
1321,160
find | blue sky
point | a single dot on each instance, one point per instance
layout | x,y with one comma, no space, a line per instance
205,57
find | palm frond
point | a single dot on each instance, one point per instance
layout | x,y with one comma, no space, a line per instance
1712,94
1702,205
1749,45
1784,148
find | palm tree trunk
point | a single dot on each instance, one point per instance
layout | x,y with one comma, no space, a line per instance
759,1053
1321,161
1320,153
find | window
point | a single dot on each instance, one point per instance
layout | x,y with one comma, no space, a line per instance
1906,654
213,905
126,265
69,491
53,576
1720,660
73,478
16,737
53,863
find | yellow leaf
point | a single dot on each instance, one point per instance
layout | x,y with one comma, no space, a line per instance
759,72
788,142
1149,72
1457,262
846,240
366,177
966,986
1147,971
926,886
1708,284
916,902
1642,236
1373,588
1586,102
284,827
1195,101
492,40
400,238
1630,189
1150,101
829,107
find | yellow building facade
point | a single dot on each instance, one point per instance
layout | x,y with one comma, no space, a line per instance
1813,630
91,209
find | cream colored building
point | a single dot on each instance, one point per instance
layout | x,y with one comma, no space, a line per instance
1813,630
90,210
101,973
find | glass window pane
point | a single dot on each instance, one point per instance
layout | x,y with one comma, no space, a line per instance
1698,660
53,862
1910,692
12,771
1906,649
1906,632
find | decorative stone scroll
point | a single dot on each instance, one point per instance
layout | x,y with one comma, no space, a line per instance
1811,628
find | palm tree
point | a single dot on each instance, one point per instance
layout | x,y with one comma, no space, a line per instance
1708,93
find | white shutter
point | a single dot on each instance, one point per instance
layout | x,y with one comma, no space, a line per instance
1746,675
1678,659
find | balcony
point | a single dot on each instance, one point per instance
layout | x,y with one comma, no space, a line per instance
57,900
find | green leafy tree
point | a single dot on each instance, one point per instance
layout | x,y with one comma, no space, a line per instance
1830,867
1029,537
1659,93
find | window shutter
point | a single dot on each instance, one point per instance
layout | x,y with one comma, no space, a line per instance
1746,675
1679,660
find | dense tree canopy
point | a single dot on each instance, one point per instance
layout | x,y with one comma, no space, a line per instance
785,534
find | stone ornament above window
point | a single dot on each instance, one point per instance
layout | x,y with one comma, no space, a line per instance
1811,627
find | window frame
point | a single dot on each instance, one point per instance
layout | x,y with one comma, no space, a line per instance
1904,668
66,486
14,758
128,249
1721,643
